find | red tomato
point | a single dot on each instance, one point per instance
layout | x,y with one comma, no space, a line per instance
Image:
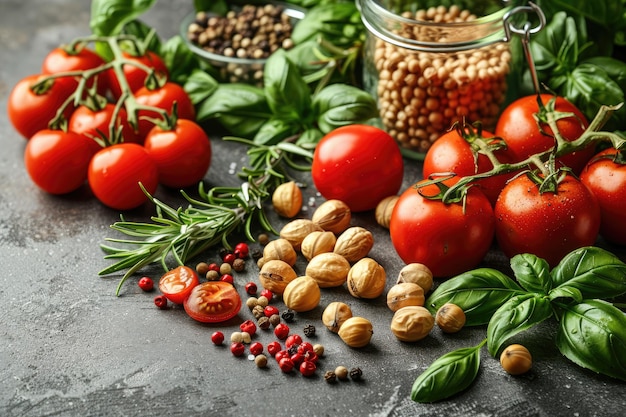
182,155
61,60
163,98
549,225
359,165
518,127
456,151
136,76
213,302
57,161
93,123
115,173
448,238
178,283
606,178
30,111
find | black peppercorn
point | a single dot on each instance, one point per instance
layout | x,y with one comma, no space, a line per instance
330,377
223,252
309,330
288,315
264,323
293,349
356,373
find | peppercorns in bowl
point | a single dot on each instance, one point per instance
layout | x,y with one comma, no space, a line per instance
236,45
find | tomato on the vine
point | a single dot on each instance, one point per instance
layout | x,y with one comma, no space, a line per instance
79,59
31,111
523,135
135,75
92,123
454,152
176,284
182,155
116,171
359,165
605,176
213,302
57,161
547,224
163,98
448,238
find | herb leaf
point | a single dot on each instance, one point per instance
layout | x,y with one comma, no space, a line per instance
338,105
479,293
448,375
288,95
516,315
109,16
532,272
592,334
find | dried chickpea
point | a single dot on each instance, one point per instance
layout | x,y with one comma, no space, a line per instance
366,279
418,274
316,243
356,332
328,269
384,209
287,199
412,323
280,249
335,314
450,318
275,275
354,243
333,216
302,294
516,360
296,230
405,294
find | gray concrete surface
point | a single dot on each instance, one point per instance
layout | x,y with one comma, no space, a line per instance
70,347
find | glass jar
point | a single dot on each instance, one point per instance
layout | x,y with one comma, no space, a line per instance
430,65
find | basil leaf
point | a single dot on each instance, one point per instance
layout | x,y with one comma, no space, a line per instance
604,12
338,22
479,293
199,86
448,375
274,131
179,59
516,315
108,17
287,93
532,272
593,335
339,105
241,108
217,6
593,271
310,137
142,31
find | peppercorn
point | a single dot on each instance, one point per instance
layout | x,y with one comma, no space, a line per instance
252,302
251,289
236,337
270,311
330,377
225,268
309,330
293,349
257,312
239,265
223,252
264,323
275,320
288,315
263,239
212,275
160,301
356,374
202,268
341,372
257,254
260,360
263,301
318,349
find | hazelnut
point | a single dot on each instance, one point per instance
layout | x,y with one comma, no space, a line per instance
302,294
412,323
356,332
296,230
516,360
328,269
335,314
354,243
316,243
405,294
384,209
275,275
333,216
418,274
450,318
366,279
287,199
280,249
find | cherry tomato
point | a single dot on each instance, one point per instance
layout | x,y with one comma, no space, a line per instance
163,98
57,161
115,173
457,151
448,238
213,302
182,155
605,176
136,76
359,165
92,123
518,127
31,111
177,284
549,225
80,59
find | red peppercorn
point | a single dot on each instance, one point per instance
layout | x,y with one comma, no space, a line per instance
217,338
267,294
248,326
286,365
304,347
281,331
214,267
229,258
270,311
273,348
297,358
256,348
281,354
160,301
311,357
293,340
146,283
227,278
251,288
307,368
237,348
241,250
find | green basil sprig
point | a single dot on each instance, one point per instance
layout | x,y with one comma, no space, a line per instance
592,332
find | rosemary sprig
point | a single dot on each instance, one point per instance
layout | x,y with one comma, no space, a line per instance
182,233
